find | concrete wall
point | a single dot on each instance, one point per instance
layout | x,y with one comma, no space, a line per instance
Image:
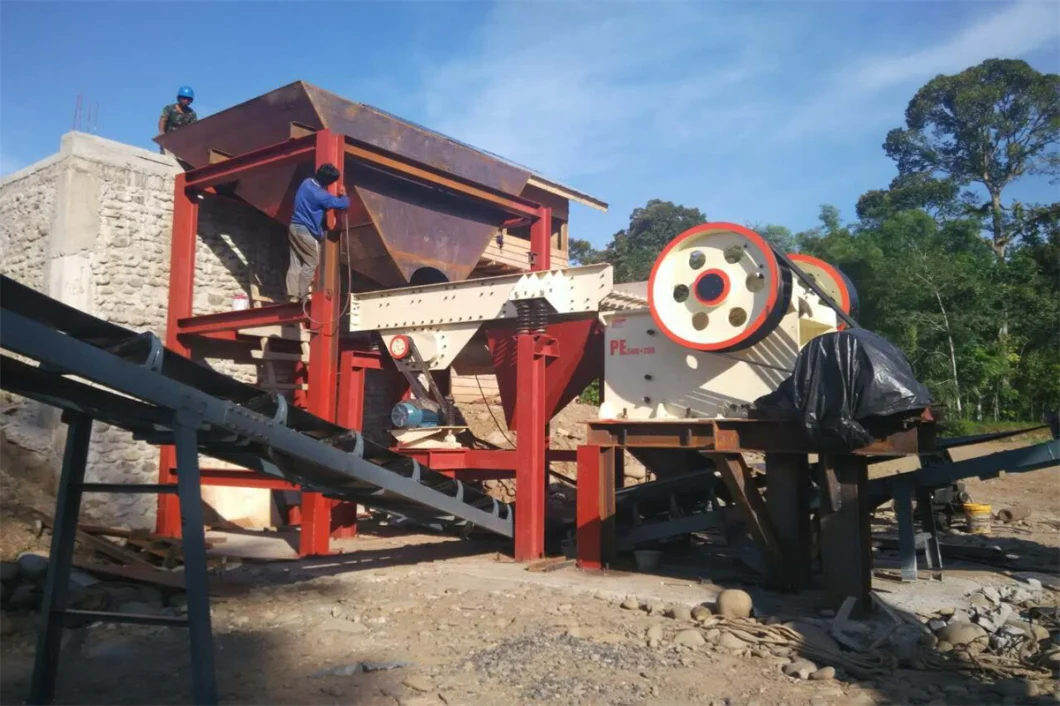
90,226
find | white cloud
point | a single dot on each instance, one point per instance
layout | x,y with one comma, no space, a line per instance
852,97
576,89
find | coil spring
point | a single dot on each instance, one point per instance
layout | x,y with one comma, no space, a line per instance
539,315
523,317
532,315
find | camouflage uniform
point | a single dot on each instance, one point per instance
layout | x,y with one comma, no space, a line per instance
176,118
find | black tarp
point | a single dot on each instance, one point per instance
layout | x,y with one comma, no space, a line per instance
840,381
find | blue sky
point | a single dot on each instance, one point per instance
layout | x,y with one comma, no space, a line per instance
754,112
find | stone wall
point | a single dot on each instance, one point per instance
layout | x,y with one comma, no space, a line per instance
90,226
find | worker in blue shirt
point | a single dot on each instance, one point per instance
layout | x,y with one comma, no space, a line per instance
306,231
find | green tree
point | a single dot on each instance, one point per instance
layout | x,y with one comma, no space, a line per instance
779,236
989,125
633,250
581,252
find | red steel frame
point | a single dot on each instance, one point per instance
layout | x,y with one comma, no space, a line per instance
336,374
321,398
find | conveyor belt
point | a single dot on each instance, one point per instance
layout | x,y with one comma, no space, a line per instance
145,388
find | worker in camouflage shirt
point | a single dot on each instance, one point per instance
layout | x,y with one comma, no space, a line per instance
179,114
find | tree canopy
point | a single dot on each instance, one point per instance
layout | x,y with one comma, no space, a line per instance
967,284
990,125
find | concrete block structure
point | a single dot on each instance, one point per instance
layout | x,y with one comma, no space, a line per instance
90,226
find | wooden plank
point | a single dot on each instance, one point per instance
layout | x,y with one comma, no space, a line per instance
787,500
846,548
153,575
736,475
110,531
100,545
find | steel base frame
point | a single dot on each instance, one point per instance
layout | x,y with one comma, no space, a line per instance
780,527
193,540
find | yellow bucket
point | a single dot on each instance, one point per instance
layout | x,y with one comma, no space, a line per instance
979,518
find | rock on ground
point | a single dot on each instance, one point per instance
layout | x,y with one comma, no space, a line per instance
823,674
961,633
701,613
801,668
734,603
32,566
689,638
729,641
681,612
631,604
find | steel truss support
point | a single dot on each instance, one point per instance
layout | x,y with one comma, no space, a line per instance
323,351
532,353
595,513
56,587
323,146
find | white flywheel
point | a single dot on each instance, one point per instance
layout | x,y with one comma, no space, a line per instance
718,287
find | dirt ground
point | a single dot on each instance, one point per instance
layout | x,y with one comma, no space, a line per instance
418,620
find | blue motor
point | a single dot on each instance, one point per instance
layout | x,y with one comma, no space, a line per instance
413,414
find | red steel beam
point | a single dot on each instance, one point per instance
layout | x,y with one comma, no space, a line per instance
350,414
464,459
595,505
181,293
243,479
231,169
272,315
323,350
530,476
541,241
389,161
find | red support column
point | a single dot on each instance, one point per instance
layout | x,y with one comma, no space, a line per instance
181,291
532,351
323,350
595,505
350,415
541,240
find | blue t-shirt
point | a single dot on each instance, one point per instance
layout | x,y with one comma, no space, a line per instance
310,203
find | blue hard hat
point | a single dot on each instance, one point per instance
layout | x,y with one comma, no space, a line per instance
186,92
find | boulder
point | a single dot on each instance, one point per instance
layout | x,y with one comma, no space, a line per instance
823,674
800,668
631,603
728,641
1039,632
961,633
689,638
734,603
681,612
24,597
33,566
701,613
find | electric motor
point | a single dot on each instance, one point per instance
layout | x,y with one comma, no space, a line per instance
414,414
